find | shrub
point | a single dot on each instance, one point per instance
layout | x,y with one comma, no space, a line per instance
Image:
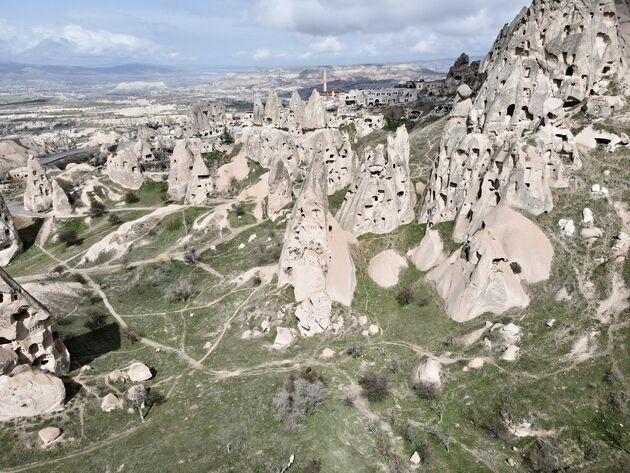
375,386
405,295
226,137
299,398
190,257
354,349
428,391
70,237
96,320
114,219
180,290
394,365
313,466
97,208
131,197
516,268
240,210
542,457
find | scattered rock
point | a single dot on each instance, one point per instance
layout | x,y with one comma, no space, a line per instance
139,372
567,227
327,353
48,435
587,216
110,402
510,353
284,337
415,458
384,268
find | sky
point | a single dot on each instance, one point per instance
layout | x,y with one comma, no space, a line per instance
248,33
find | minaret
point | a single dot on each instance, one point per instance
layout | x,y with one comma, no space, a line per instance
325,81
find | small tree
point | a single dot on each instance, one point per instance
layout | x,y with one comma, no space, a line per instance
354,349
97,208
226,137
405,296
542,457
114,219
97,320
131,197
428,391
139,396
299,398
191,257
375,386
70,237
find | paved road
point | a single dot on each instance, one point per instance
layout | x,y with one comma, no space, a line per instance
51,158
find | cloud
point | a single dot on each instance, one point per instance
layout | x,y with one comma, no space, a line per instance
327,45
261,53
63,43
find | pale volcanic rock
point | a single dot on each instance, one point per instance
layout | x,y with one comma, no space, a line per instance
258,116
429,372
38,190
567,226
10,242
382,197
139,372
384,268
315,113
429,253
546,61
479,277
28,392
280,188
123,167
25,325
48,435
587,216
274,112
200,184
203,118
510,353
110,402
297,110
285,337
182,162
60,203
315,257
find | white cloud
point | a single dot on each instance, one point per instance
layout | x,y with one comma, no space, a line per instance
261,53
327,45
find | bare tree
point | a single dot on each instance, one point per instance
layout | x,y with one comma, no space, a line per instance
139,396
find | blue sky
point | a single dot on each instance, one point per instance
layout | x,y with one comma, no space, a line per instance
262,33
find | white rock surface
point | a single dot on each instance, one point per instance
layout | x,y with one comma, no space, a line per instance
110,402
384,268
48,435
38,189
429,253
285,337
28,392
60,203
10,242
429,372
139,372
567,227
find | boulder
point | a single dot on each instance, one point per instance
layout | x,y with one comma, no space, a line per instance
510,353
429,372
110,402
28,392
48,435
284,338
327,353
587,216
567,227
384,268
139,372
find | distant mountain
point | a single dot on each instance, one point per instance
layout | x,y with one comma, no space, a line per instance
121,69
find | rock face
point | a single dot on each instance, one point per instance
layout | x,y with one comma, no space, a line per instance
464,72
199,184
429,252
383,197
38,190
486,274
508,146
203,118
10,243
315,258
315,114
25,329
60,203
547,60
182,162
123,167
27,392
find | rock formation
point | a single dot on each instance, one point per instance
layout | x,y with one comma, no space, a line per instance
315,114
382,197
508,146
464,72
123,167
258,116
546,61
28,348
38,190
486,274
199,184
203,118
315,258
10,243
297,111
182,162
60,203
274,112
